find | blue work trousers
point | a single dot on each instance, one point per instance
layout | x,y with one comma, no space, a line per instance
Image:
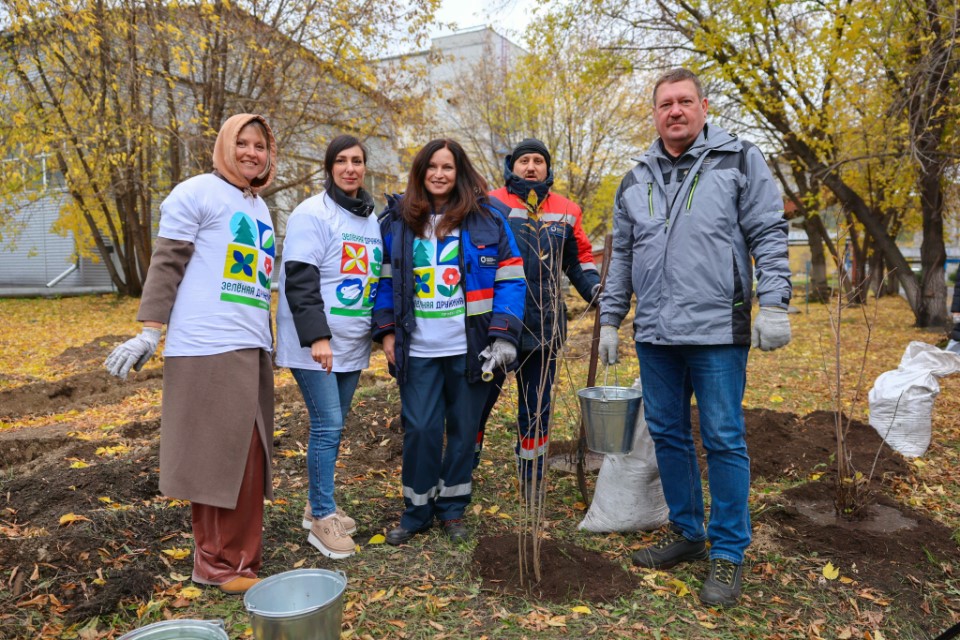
535,376
437,400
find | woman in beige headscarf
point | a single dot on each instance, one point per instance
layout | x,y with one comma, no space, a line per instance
209,282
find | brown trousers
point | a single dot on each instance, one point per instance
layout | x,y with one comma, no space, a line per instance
229,542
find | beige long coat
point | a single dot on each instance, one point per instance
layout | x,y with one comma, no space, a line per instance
210,403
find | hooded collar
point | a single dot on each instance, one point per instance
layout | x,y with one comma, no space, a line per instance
522,188
225,154
710,137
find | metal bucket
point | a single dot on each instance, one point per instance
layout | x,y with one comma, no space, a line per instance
304,604
610,417
179,630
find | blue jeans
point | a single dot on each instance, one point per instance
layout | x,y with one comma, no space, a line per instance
717,375
436,401
328,397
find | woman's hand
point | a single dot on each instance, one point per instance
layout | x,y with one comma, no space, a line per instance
322,354
389,341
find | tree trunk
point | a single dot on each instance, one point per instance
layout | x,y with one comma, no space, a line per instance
819,288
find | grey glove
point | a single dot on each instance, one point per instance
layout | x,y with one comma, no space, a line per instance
133,353
771,329
609,341
499,353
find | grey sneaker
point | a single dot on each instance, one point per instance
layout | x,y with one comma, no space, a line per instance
670,550
722,586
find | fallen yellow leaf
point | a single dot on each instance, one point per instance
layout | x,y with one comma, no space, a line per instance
776,398
581,609
190,593
72,517
105,499
79,464
377,539
830,572
177,553
679,587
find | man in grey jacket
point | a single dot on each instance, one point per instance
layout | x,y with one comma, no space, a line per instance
687,220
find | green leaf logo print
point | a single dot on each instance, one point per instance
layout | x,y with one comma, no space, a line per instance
449,250
376,262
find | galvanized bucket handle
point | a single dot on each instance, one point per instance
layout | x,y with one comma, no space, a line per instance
616,374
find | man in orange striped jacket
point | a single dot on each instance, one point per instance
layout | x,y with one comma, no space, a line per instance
549,233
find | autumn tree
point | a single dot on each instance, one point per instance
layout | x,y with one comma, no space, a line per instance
583,101
125,98
816,77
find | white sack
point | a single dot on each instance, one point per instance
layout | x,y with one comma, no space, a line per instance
628,495
901,401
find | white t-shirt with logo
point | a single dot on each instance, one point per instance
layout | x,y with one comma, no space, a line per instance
348,252
223,301
439,305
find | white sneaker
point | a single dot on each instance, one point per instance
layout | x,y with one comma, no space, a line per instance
349,524
328,536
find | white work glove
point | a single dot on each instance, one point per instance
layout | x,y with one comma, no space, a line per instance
609,342
133,353
956,318
499,353
771,329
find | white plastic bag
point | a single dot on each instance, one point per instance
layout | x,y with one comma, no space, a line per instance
901,401
628,495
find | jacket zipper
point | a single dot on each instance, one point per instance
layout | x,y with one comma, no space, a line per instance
693,188
650,197
463,290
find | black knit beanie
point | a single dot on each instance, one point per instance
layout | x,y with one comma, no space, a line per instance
529,145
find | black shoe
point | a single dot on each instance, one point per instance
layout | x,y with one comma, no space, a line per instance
670,550
455,530
399,535
722,586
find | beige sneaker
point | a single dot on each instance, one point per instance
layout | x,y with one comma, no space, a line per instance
349,524
328,536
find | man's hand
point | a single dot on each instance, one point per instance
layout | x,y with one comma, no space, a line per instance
133,353
499,353
771,329
595,295
609,342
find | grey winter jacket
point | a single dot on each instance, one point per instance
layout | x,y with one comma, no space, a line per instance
684,233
